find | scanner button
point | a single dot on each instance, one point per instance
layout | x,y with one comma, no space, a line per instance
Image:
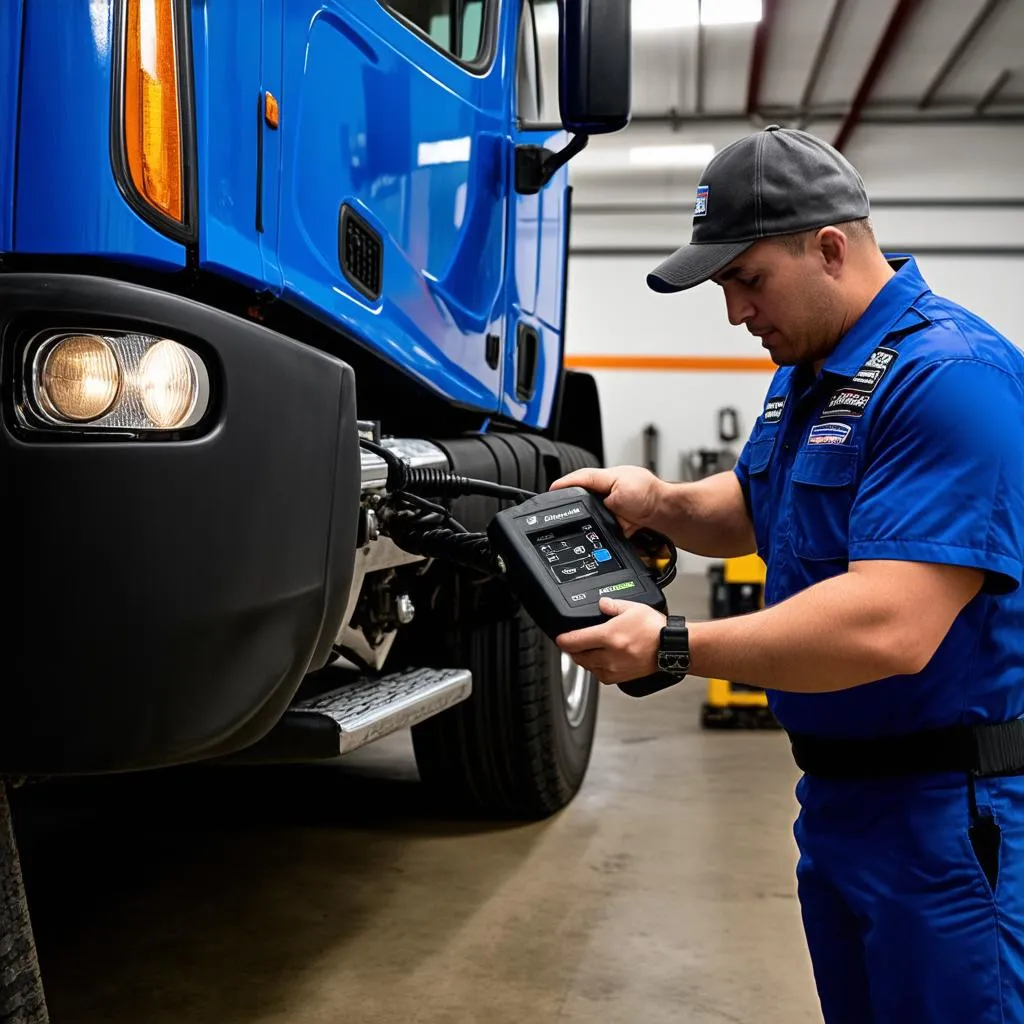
603,555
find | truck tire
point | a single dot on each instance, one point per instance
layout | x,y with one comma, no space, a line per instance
520,746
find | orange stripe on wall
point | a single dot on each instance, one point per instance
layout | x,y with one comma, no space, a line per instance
721,364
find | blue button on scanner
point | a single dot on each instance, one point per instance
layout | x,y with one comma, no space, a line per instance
603,555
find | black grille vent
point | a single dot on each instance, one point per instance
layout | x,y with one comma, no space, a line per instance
360,253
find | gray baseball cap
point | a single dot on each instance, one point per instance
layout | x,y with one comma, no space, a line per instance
775,182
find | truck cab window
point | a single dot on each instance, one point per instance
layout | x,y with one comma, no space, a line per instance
455,26
537,65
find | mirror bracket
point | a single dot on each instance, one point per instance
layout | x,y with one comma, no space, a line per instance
536,166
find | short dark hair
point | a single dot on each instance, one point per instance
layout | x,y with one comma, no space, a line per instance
855,230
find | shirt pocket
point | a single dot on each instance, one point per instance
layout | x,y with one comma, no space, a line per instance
824,481
761,501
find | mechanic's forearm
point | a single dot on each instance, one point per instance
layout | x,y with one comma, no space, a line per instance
707,517
835,635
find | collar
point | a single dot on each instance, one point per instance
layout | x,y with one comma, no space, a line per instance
890,310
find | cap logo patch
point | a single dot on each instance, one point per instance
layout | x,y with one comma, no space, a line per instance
700,206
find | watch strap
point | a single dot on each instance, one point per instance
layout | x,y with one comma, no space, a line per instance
674,646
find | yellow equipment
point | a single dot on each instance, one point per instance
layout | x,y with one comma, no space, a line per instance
737,587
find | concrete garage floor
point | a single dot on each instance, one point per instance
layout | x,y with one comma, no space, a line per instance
665,892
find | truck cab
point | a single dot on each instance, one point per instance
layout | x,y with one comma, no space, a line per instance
256,258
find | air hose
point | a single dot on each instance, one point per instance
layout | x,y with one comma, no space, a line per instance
439,482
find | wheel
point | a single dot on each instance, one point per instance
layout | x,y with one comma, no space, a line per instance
521,744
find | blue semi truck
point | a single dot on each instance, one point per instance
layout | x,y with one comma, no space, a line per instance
254,253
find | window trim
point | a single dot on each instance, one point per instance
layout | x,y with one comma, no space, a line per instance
488,35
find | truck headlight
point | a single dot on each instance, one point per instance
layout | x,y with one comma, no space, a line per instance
123,382
168,384
80,378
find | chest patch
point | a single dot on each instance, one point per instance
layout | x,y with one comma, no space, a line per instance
773,409
830,433
869,375
847,402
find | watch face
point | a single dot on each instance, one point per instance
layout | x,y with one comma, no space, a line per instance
677,664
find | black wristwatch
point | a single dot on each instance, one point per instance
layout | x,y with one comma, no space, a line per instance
674,647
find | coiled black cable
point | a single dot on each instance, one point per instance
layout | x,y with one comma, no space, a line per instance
426,536
441,483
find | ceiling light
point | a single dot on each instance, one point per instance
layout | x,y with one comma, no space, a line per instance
696,155
731,12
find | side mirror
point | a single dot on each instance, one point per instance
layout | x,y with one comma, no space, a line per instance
594,84
595,66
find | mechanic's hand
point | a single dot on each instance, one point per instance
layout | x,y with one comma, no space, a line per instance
631,493
624,648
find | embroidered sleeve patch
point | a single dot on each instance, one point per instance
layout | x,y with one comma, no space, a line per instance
773,409
830,433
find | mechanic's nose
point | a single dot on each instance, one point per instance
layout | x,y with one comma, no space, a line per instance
740,310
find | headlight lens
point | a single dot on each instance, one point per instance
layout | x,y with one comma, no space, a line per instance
167,384
117,382
80,378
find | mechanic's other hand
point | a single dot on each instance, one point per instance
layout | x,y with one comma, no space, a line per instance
624,648
633,494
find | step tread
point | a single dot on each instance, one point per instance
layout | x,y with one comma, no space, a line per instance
368,708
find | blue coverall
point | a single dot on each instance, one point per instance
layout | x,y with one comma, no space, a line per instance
909,445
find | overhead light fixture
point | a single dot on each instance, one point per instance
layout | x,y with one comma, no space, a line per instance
695,155
731,12
663,15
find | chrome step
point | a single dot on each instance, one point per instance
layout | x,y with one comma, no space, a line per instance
370,708
358,712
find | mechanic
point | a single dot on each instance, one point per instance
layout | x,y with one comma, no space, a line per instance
883,485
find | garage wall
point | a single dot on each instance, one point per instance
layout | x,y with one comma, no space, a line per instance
611,311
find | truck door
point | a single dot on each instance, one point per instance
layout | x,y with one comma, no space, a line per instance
537,229
392,188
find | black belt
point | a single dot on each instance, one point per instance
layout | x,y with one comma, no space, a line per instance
980,750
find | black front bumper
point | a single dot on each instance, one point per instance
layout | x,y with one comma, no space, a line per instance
164,598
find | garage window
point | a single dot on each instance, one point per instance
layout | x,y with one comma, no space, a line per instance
463,29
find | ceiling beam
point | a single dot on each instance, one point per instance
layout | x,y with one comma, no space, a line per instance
757,59
960,48
993,91
901,16
824,45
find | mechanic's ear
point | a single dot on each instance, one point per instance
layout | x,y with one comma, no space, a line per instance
832,245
